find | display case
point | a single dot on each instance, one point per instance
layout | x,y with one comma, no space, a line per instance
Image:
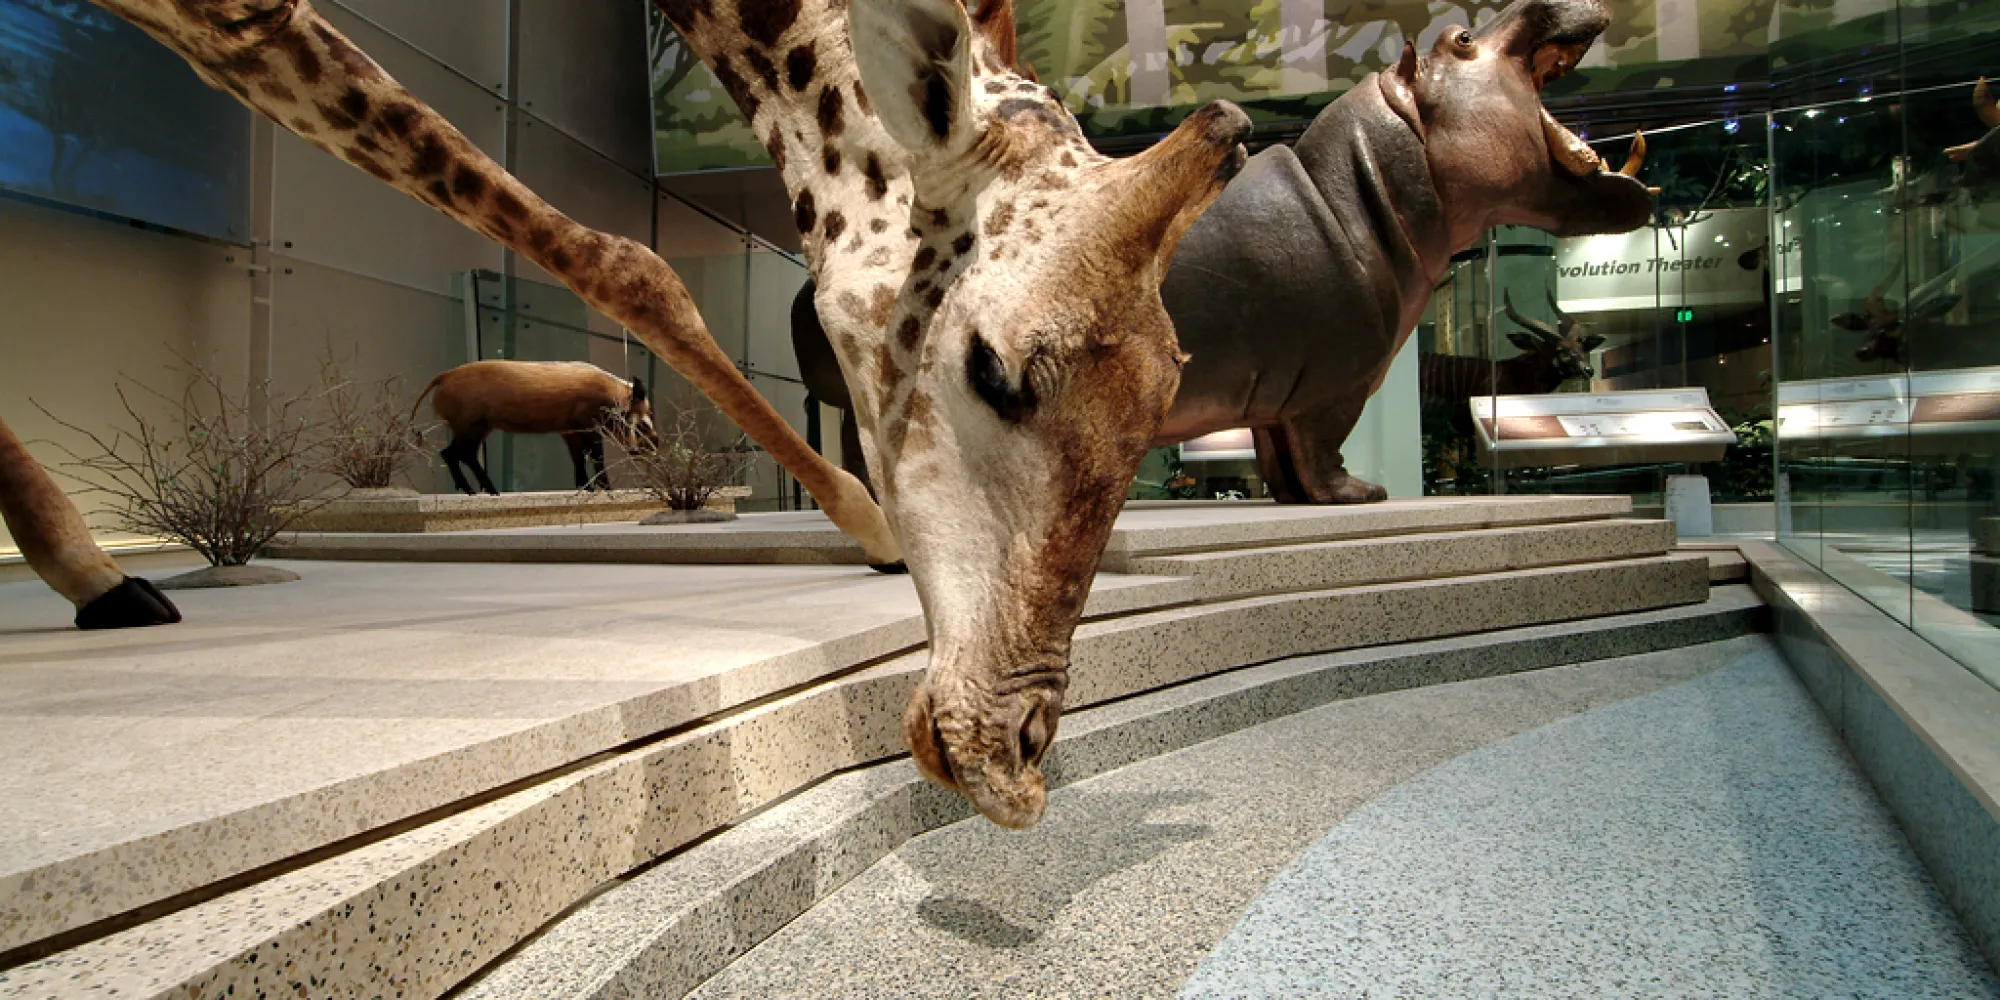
1885,189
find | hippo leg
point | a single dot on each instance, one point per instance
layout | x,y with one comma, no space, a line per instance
1304,454
851,458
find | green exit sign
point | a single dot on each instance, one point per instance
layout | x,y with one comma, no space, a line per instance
1683,315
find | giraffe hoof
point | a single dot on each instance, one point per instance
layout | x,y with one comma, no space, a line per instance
132,604
896,568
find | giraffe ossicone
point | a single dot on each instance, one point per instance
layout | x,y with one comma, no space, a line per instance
989,281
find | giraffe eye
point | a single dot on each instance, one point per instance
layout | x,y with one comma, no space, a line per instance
988,375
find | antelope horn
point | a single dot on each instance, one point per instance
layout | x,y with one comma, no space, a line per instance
1984,104
1531,325
1635,159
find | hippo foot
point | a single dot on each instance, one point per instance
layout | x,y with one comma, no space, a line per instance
132,604
1350,489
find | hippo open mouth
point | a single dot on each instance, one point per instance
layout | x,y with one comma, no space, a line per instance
1552,61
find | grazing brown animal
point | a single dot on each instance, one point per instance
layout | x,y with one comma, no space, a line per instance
58,547
570,398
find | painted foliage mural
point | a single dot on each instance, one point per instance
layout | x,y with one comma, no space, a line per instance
1138,66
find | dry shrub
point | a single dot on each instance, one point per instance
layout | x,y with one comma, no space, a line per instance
210,474
368,434
683,472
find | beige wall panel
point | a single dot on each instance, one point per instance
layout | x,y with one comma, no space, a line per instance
333,214
376,328
91,303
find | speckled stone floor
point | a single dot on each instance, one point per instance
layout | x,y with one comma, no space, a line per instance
1672,824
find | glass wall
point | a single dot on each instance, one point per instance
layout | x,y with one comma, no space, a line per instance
1610,364
1886,182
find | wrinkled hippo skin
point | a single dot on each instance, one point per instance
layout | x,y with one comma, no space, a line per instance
1296,289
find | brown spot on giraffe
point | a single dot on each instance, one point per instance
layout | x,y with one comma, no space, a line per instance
431,157
925,254
804,214
278,92
765,21
878,225
303,127
304,60
684,13
831,161
799,66
908,333
876,184
836,224
997,222
940,217
760,64
878,257
861,99
962,245
831,113
776,145
881,305
336,118
732,83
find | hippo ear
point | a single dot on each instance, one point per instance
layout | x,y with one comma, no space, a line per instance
1399,88
1524,342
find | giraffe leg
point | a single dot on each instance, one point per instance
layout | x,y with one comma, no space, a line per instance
284,60
58,547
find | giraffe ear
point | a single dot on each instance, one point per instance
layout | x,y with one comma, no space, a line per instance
915,58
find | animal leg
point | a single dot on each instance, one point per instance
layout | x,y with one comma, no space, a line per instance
851,457
281,58
578,451
1314,439
594,452
479,471
458,452
58,547
1274,464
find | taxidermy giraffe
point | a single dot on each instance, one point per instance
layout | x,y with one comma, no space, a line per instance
58,547
991,286
285,61
990,283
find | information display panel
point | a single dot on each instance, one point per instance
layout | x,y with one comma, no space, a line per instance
1599,428
1925,406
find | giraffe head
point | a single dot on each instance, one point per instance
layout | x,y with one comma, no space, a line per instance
991,285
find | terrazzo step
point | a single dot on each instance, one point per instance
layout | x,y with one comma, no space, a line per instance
807,537
1385,559
416,912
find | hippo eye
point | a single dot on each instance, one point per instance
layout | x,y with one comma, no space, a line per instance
1464,38
988,375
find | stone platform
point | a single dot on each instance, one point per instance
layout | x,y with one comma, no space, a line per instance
401,511
382,776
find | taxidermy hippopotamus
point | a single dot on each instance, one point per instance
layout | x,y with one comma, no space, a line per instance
1295,290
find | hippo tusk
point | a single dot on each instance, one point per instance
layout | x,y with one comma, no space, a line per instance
1985,105
1573,153
1636,158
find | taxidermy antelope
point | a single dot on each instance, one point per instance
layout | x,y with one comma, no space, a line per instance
58,547
1554,355
577,400
989,282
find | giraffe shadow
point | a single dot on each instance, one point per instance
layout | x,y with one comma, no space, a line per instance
1002,888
